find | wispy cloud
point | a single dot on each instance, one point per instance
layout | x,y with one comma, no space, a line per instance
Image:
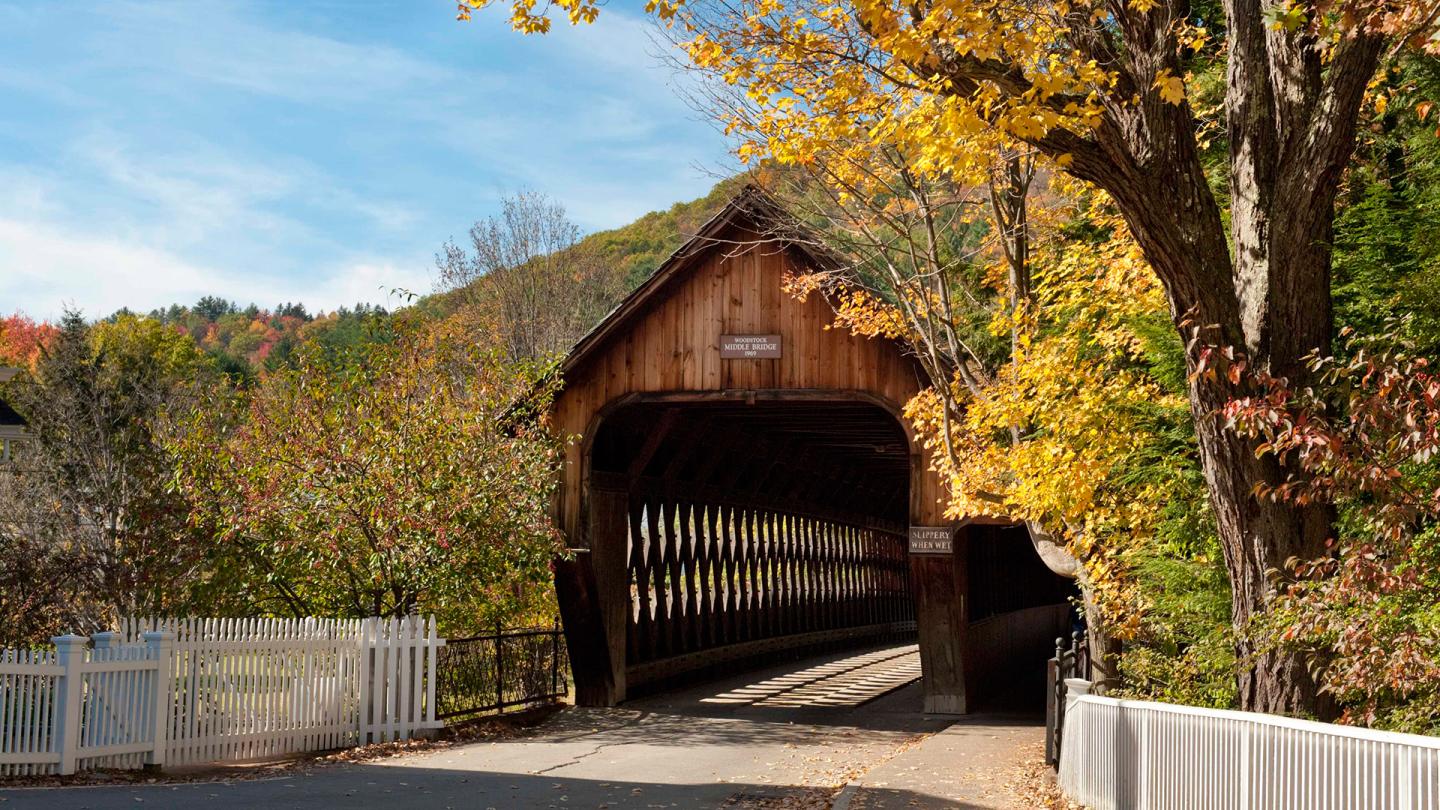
151,153
226,45
50,269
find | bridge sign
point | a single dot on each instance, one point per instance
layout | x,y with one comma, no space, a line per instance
932,540
749,347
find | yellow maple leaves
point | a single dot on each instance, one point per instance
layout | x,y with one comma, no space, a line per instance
1048,438
1171,87
527,20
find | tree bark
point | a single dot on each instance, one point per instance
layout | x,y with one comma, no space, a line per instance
1213,300
1258,537
1263,292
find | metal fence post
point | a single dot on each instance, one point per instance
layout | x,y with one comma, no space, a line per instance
555,660
160,648
1053,704
499,669
70,654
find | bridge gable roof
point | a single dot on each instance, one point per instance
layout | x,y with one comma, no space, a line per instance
750,211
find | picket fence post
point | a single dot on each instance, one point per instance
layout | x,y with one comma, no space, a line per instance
367,679
70,655
160,647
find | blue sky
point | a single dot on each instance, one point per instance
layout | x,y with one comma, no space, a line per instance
317,151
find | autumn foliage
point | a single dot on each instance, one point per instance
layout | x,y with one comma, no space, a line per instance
1367,437
1220,132
409,476
22,339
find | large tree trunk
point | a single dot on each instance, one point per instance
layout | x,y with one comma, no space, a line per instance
1291,128
1213,302
1258,537
1263,292
1175,219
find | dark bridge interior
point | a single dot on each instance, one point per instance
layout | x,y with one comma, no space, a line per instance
1018,607
837,458
740,531
756,528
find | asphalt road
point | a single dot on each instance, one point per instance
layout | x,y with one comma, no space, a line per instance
770,739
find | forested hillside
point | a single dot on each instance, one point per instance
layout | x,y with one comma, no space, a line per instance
634,251
246,339
203,408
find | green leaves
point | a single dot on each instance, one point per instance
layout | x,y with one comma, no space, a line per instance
91,513
393,478
1288,17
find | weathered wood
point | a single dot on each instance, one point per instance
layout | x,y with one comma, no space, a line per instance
758,523
637,646
657,436
940,588
657,637
608,524
586,637
676,636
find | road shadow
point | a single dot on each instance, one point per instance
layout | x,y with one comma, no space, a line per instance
512,775
377,787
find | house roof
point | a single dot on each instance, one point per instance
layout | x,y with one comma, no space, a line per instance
751,207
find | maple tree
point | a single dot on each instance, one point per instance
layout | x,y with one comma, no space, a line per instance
1100,90
22,339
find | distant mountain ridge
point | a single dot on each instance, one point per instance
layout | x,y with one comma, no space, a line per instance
247,339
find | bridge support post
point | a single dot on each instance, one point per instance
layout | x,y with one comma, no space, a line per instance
940,587
577,594
608,530
593,594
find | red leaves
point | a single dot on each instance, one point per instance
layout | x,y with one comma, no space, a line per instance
1375,417
22,339
1362,438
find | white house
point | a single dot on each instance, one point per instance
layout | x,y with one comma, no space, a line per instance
12,427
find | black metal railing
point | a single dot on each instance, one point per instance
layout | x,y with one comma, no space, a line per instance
1072,661
501,670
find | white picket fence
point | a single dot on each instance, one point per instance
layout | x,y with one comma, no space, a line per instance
204,690
1136,755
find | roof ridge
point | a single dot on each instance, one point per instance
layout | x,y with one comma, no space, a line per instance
752,201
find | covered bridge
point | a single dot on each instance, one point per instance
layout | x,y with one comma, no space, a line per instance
743,485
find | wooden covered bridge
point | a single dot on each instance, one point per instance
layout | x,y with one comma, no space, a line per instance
743,485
